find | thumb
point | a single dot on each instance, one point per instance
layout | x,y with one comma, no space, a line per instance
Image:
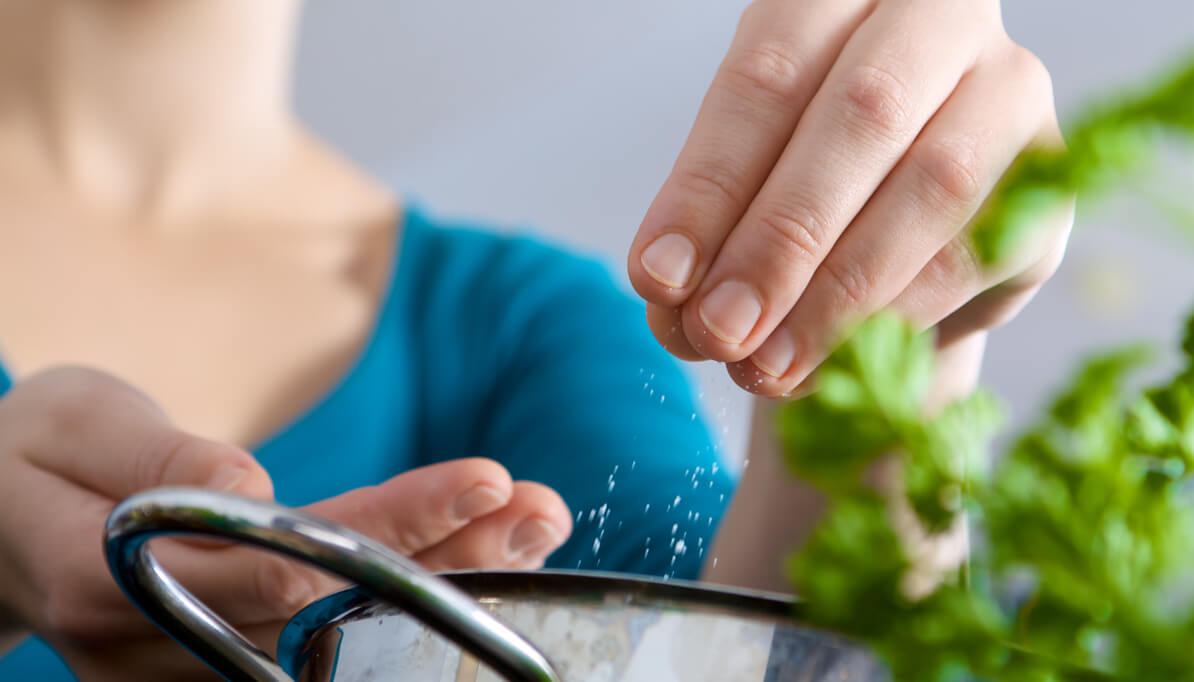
104,435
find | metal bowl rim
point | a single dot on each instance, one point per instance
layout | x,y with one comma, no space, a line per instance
336,608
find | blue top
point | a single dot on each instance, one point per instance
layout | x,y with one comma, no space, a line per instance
509,349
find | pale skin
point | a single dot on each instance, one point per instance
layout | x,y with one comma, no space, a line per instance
832,171
149,164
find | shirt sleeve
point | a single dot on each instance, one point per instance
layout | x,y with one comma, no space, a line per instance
570,389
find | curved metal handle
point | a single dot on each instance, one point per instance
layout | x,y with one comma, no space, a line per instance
374,567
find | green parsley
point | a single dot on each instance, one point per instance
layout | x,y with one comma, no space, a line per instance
1083,531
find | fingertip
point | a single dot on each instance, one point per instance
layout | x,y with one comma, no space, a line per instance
748,376
239,472
482,471
663,267
546,504
667,326
707,343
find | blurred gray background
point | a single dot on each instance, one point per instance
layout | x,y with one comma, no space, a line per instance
566,116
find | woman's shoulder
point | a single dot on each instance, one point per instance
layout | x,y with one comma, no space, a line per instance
502,274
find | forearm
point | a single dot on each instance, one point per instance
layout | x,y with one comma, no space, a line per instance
773,513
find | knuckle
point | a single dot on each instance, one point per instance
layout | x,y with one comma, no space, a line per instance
155,459
409,539
1034,74
949,174
282,587
851,282
876,99
799,234
955,266
715,181
767,72
1044,268
73,396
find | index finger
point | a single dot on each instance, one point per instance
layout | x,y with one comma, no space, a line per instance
892,76
107,437
780,54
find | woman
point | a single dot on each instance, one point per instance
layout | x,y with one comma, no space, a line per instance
165,220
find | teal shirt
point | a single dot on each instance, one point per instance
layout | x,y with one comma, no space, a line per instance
506,348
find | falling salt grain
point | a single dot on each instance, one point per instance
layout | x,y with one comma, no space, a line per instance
662,398
676,502
596,545
679,549
675,527
592,513
647,507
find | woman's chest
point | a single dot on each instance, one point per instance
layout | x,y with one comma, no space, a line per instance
233,336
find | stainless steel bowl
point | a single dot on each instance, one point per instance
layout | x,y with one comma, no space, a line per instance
402,623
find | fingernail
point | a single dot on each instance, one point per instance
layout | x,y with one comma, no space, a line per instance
804,389
731,311
776,354
478,501
670,260
227,478
534,536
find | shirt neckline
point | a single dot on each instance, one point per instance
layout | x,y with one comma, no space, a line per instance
406,222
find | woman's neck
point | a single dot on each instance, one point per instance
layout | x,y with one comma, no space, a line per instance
133,103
